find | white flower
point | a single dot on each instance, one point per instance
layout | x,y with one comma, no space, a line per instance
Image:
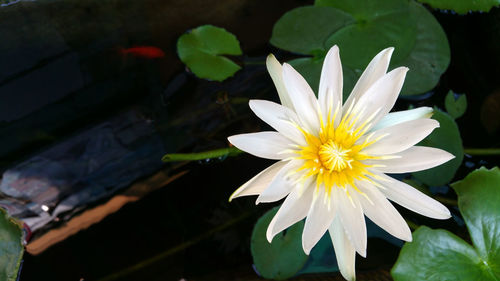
333,157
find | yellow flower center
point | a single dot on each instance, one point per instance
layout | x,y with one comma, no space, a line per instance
334,155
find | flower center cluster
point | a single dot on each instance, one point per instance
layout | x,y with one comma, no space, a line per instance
334,157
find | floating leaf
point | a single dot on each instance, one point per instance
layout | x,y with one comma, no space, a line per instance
283,257
441,255
361,30
463,6
446,137
11,247
377,27
305,29
455,104
429,57
201,49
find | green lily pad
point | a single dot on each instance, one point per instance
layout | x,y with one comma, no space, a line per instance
201,49
361,30
455,104
463,6
479,202
282,258
446,137
441,255
429,57
377,27
11,247
304,30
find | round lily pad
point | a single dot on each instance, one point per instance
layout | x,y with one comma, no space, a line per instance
282,258
201,49
446,137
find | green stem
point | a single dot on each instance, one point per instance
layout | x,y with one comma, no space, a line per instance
482,151
171,251
222,152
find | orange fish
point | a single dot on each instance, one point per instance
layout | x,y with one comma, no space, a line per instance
147,52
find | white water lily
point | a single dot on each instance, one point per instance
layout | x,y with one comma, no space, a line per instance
333,157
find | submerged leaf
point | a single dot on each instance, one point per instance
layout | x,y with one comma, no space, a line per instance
282,258
11,247
441,255
201,49
446,137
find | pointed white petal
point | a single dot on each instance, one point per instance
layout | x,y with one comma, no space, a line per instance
344,251
304,101
401,136
276,71
397,117
279,117
373,72
270,145
416,158
412,199
352,218
258,183
293,209
281,184
381,96
319,218
330,84
379,210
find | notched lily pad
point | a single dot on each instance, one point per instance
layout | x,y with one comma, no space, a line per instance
441,255
282,258
455,104
446,137
361,30
463,6
201,49
305,29
11,247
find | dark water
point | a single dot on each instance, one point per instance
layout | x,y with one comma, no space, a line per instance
61,73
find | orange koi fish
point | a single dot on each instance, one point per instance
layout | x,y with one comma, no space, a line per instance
147,52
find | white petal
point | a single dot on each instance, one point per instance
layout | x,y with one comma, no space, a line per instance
279,117
352,218
319,218
381,96
270,145
397,117
344,251
373,72
413,159
293,209
304,101
412,199
258,183
330,84
381,212
276,71
281,184
401,136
